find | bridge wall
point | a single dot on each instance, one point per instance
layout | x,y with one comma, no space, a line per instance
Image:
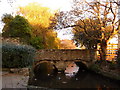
66,54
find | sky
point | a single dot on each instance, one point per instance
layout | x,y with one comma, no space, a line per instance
63,5
53,4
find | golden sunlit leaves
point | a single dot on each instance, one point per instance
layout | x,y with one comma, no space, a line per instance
42,21
36,14
52,40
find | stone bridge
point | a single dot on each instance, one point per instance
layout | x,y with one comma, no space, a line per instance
52,60
85,56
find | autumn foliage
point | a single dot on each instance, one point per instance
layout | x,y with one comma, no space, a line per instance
41,19
67,44
33,25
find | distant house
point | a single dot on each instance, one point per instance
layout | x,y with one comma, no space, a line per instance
67,44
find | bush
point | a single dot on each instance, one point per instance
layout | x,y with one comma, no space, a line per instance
17,56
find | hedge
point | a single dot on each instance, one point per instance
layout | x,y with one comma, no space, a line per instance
17,56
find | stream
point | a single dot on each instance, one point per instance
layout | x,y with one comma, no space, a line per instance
75,77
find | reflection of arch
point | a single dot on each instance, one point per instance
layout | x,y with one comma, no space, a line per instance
82,71
43,68
48,67
71,69
82,65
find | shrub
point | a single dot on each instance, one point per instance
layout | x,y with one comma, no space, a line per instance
17,56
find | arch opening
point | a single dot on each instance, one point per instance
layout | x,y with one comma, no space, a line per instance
81,66
44,70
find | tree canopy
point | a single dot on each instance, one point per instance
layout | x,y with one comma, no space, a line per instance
16,26
34,24
89,33
37,15
42,21
93,22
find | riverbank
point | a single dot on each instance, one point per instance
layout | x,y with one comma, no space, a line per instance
60,80
106,69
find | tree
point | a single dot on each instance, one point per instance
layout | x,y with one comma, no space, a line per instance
117,2
36,42
82,38
17,27
6,19
42,21
94,34
87,13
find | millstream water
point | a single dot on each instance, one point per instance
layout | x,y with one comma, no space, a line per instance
75,77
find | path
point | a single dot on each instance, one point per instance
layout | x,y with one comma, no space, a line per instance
10,80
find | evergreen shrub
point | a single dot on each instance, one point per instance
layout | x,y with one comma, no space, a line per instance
17,56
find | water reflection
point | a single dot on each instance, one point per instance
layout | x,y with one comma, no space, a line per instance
73,77
71,69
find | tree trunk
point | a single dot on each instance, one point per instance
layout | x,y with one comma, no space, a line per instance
103,50
119,24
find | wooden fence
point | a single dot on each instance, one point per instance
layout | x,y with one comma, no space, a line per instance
111,52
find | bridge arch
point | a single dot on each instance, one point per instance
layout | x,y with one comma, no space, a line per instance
84,55
48,59
81,65
46,67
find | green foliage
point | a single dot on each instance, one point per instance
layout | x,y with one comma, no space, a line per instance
36,30
36,42
7,18
17,56
18,27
